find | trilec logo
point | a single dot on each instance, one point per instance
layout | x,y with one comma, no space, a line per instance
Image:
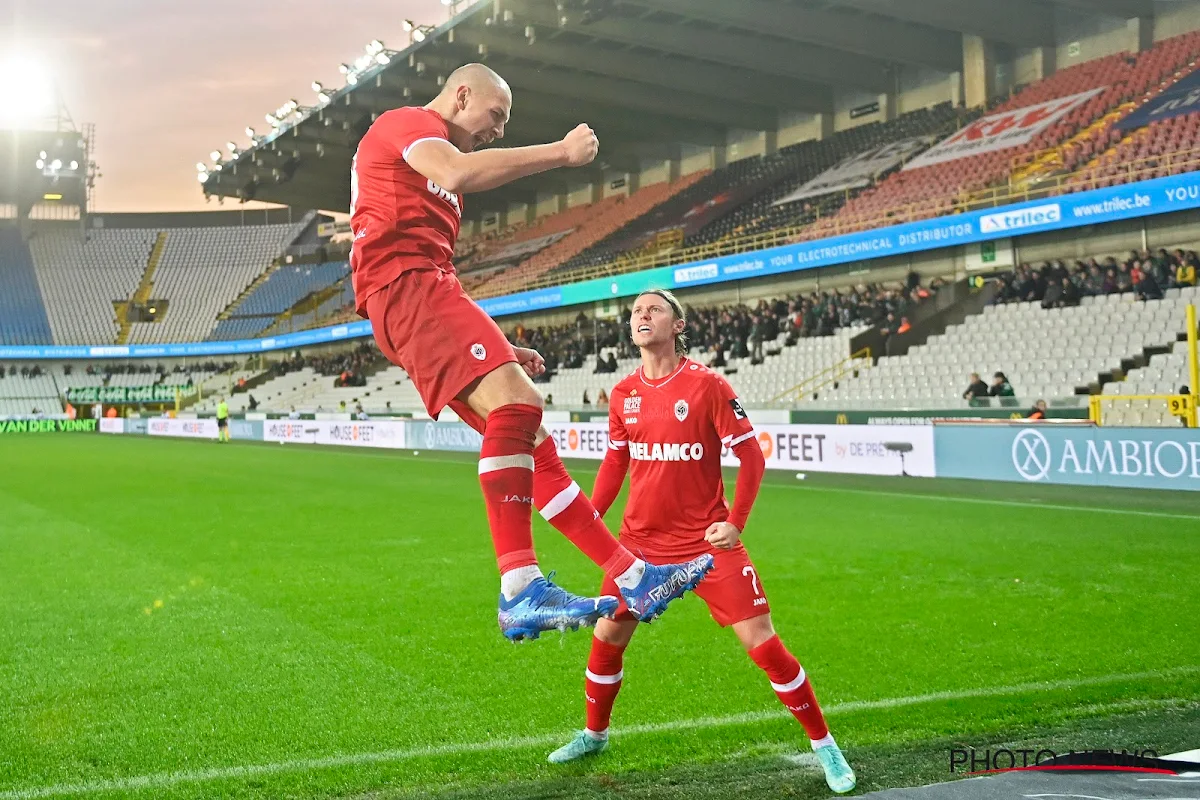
697,273
1021,218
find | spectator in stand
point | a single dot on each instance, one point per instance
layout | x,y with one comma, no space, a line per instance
1124,277
586,400
293,414
253,403
1038,411
602,400
1003,389
976,388
549,399
1147,285
1185,273
342,405
905,326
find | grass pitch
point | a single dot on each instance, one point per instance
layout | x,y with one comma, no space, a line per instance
182,619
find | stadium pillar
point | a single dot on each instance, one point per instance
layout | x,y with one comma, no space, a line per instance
956,89
979,69
1044,62
1141,33
720,158
770,143
674,169
887,106
825,124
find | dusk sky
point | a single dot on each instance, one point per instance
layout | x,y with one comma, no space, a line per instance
166,82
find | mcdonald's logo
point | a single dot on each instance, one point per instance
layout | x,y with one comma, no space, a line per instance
842,419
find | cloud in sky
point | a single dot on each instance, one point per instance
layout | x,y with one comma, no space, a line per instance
166,82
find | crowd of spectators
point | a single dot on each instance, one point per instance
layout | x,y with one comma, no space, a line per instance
1055,285
349,367
107,371
733,331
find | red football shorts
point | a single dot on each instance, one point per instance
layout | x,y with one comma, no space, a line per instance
731,589
424,322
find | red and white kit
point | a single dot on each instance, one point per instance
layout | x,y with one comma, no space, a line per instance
405,227
669,434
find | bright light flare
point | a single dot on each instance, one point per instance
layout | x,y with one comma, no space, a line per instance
27,94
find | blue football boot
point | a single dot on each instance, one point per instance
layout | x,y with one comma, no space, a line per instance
542,606
663,583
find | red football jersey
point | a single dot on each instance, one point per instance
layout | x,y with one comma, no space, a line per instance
400,218
675,428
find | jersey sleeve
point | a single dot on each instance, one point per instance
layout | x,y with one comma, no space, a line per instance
616,461
728,416
411,126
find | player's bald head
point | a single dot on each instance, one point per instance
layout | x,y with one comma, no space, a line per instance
478,78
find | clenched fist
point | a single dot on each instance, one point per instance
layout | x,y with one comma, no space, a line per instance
723,535
581,145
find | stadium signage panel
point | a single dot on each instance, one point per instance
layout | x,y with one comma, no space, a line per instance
183,428
123,394
1002,130
382,434
38,426
112,425
856,171
1147,458
1182,98
1082,209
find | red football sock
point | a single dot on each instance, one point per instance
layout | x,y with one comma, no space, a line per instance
567,508
604,675
791,685
506,475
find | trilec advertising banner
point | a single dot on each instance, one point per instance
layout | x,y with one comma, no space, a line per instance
858,170
1002,130
368,433
1147,458
185,428
859,449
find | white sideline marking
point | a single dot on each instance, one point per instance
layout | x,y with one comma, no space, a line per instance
161,780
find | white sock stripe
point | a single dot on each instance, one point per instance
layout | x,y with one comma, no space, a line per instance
607,680
493,463
559,502
790,685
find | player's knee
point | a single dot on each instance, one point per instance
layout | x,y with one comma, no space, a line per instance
614,632
754,631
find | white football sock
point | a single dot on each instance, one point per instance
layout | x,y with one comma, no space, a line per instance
632,576
825,741
513,582
599,736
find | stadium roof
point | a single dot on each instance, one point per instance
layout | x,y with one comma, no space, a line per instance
648,75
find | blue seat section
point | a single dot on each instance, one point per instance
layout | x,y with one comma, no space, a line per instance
22,314
282,289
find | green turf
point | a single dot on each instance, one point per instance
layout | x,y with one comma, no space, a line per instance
326,617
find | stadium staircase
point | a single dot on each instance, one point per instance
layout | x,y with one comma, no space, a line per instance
249,290
141,295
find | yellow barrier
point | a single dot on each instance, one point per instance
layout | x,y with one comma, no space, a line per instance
830,375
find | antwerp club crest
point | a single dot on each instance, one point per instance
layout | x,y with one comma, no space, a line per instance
681,409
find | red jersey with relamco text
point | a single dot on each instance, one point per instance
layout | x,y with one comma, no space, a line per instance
401,220
675,428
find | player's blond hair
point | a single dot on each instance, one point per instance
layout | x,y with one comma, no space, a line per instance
681,341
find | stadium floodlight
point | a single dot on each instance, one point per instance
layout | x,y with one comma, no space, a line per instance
40,163
352,78
26,91
375,46
250,131
74,165
447,2
418,35
317,86
200,167
409,25
42,155
202,177
56,164
323,97
344,69
215,155
272,120
293,104
383,59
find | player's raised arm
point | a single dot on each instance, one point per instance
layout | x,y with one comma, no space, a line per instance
475,103
464,173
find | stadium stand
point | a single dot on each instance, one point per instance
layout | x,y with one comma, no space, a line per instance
203,270
22,314
942,188
277,293
81,277
25,390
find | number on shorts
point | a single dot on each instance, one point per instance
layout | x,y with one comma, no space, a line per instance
753,578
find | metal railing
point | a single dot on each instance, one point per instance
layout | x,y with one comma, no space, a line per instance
826,377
